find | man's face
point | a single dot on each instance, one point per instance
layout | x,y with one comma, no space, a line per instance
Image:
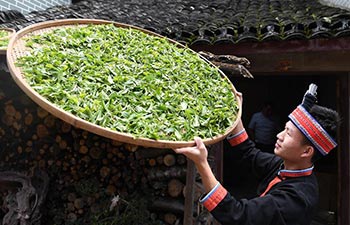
290,143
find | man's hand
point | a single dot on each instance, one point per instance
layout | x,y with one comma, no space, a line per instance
198,154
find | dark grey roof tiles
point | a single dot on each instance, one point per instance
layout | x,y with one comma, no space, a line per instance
209,22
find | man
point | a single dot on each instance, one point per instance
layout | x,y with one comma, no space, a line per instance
263,127
288,193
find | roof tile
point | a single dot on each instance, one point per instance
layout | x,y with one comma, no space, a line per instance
208,22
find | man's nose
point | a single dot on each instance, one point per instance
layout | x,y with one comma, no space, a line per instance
280,135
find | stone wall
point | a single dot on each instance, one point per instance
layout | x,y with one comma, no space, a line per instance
26,6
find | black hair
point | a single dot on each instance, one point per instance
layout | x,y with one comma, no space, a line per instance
329,119
267,103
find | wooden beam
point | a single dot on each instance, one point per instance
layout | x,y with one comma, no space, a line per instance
343,152
318,55
299,62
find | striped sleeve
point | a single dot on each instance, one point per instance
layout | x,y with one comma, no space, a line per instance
238,138
214,197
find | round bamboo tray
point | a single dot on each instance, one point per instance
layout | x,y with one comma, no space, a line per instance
10,32
16,49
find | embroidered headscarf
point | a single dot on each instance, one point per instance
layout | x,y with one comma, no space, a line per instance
309,126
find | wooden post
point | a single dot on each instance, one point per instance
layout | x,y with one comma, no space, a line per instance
217,148
189,193
219,173
343,153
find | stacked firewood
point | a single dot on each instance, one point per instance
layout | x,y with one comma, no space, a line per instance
89,174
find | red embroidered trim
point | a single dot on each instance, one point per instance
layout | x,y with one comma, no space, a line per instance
215,198
238,139
312,130
295,174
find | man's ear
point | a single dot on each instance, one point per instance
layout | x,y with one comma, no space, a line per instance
308,151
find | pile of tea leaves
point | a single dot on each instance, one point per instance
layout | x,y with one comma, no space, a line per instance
129,81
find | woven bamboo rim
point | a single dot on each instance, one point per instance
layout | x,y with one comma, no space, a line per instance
16,49
10,32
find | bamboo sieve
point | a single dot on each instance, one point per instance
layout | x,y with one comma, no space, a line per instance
16,49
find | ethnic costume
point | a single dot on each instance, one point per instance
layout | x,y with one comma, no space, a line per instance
285,196
291,199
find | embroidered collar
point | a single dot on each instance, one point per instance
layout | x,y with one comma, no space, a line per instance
283,173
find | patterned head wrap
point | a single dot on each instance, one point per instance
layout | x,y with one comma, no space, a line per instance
309,126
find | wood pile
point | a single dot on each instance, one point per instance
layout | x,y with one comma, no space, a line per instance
89,174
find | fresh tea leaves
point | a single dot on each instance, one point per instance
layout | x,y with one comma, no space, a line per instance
4,40
129,81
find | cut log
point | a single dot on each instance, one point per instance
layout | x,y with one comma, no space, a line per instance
42,131
79,203
166,173
104,172
18,116
175,188
170,218
169,160
50,121
95,153
42,113
63,144
143,153
111,190
83,149
10,110
152,162
168,205
66,127
8,120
